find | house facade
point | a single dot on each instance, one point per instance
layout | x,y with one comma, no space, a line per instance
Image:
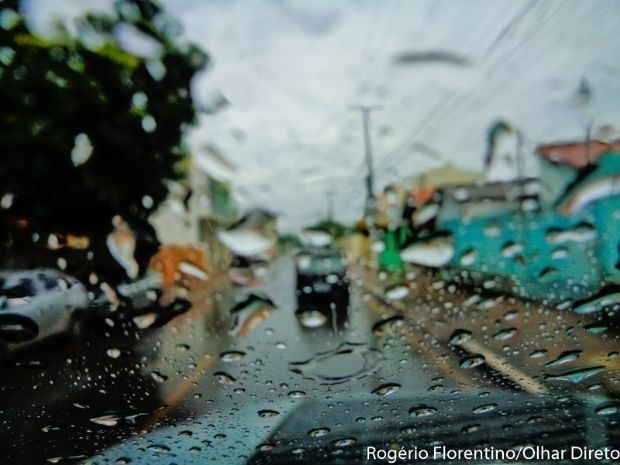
555,237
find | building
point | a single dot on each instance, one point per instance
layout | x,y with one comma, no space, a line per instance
555,237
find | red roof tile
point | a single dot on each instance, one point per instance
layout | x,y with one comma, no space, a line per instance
577,154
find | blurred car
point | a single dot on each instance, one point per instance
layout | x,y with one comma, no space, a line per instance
36,304
498,430
322,284
140,302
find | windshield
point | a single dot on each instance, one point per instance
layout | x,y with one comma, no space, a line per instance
310,231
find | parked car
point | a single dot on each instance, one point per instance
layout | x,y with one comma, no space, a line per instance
36,304
322,284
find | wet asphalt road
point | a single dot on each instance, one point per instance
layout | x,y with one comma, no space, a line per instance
192,392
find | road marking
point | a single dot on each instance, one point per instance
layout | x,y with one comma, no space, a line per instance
493,360
450,369
502,365
174,397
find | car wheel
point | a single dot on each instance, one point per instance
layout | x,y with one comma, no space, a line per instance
17,328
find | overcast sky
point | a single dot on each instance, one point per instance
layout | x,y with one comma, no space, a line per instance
293,70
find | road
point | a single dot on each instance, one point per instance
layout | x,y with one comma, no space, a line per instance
193,388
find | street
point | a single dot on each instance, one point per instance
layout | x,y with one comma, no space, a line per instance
207,394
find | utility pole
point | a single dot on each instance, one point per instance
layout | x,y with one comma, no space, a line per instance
366,109
330,204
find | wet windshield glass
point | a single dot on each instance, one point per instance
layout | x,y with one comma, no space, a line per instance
309,232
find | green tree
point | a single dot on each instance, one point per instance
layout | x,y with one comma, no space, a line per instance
89,127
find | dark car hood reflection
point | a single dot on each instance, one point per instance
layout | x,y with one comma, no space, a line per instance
339,431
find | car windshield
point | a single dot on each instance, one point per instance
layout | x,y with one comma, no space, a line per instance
320,262
17,290
299,231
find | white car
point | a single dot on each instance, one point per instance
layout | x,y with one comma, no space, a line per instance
36,304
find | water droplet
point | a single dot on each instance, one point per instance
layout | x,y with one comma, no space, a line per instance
113,353
511,315
147,202
538,353
459,336
505,334
9,19
484,408
472,361
468,257
581,233
559,253
82,149
232,355
608,408
311,318
598,304
388,326
492,229
6,201
564,357
318,432
347,361
547,272
595,328
157,376
148,123
397,291
421,411
123,461
332,278
577,375
296,394
182,347
471,429
145,321
265,447
281,345
62,263
224,378
344,442
106,420
266,413
511,249
66,458
159,448
386,389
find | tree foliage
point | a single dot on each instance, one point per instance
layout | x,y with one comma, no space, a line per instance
90,127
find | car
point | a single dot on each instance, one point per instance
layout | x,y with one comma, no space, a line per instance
36,304
541,428
322,287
